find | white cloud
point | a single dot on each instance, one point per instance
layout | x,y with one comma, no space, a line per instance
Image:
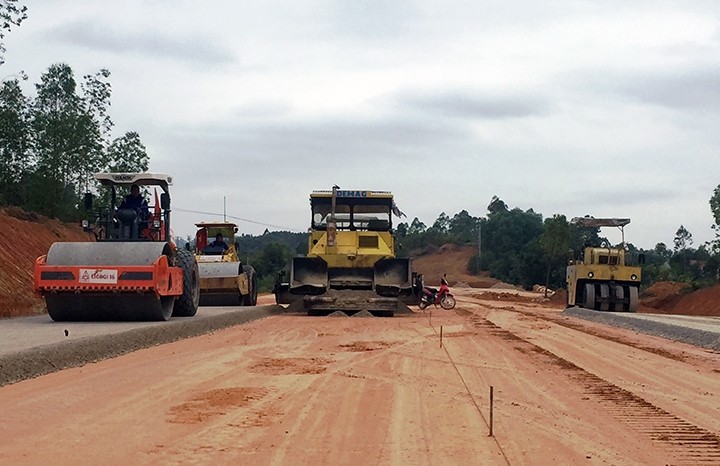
603,108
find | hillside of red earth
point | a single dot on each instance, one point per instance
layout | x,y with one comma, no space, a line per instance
25,237
677,298
451,260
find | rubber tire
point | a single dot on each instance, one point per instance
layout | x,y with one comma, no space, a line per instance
186,305
589,296
422,304
633,294
447,302
604,297
251,298
619,305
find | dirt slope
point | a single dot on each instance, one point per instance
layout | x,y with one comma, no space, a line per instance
676,298
452,260
25,237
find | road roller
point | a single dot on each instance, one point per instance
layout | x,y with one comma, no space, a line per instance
604,278
224,279
350,265
132,271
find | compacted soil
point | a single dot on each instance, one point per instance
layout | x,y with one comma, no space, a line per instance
293,389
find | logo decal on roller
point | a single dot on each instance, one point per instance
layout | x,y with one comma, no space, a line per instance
98,276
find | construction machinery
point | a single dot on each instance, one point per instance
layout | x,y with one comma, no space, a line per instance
133,271
224,280
603,278
351,264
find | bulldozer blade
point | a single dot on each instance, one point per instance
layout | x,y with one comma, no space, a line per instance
308,275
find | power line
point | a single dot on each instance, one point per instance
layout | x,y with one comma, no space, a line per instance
239,218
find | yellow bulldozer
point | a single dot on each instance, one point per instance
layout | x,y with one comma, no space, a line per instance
224,280
350,265
603,278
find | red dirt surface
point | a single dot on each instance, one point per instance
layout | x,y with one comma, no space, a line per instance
703,302
453,261
25,237
305,391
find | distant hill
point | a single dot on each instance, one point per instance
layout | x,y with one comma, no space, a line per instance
452,260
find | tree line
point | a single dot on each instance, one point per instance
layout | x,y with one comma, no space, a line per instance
523,248
53,142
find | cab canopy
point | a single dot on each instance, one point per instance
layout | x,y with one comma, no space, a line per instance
141,179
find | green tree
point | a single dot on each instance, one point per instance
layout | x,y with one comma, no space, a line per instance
715,209
683,240
273,258
70,138
463,228
128,154
15,160
507,235
555,243
416,227
441,223
11,14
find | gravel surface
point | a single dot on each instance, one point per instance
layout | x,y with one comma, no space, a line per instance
33,362
697,337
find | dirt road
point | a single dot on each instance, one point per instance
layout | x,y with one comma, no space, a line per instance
301,390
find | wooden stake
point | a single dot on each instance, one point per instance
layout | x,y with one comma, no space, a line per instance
441,336
491,411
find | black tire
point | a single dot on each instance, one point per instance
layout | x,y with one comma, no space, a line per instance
186,305
250,299
447,302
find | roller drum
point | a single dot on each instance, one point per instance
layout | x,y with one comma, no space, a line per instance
110,305
106,253
218,284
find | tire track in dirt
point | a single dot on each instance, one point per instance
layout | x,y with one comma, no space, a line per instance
685,442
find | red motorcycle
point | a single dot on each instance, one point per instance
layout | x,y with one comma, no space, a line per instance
441,297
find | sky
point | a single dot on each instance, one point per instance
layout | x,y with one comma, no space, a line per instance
604,108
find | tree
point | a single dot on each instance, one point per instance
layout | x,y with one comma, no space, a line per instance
497,205
416,227
127,154
554,242
441,223
15,141
11,14
70,138
683,240
463,228
508,237
715,209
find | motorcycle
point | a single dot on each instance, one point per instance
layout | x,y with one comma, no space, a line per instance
441,297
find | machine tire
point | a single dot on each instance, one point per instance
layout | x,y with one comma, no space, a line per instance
619,304
186,305
604,297
422,304
633,294
447,302
251,298
589,296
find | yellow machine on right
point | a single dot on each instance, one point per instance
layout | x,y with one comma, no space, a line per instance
604,278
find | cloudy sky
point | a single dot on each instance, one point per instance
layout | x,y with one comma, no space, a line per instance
607,108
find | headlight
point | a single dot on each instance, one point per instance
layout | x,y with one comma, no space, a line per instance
633,277
156,223
590,274
85,224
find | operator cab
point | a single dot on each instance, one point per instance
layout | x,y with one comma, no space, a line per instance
354,210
